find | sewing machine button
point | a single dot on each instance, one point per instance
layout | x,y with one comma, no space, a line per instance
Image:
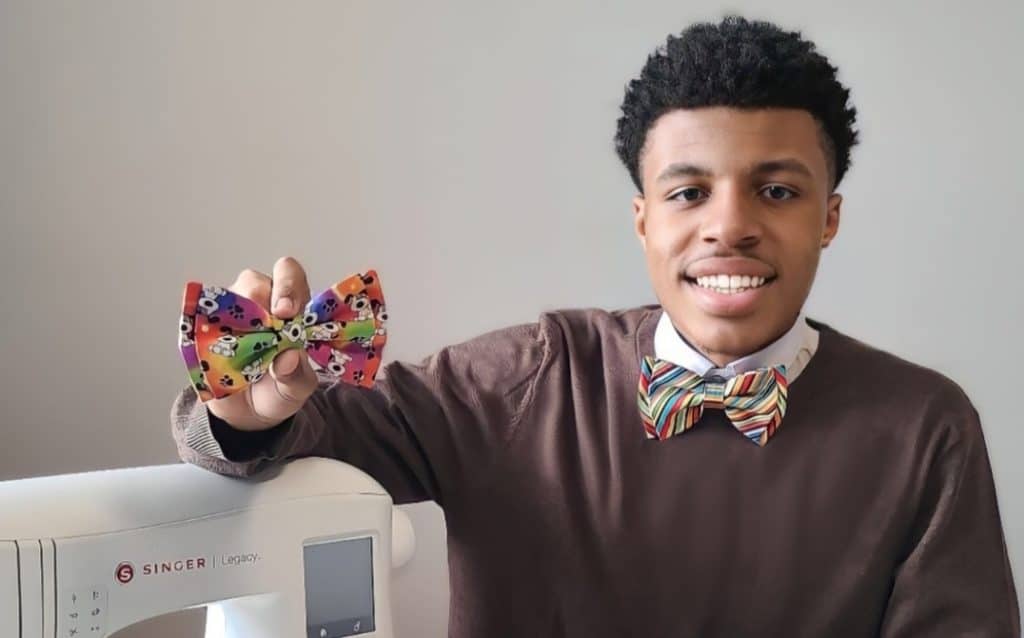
87,620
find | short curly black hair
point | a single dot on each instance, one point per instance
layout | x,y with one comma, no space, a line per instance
743,64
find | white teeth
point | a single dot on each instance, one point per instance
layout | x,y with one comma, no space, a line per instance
730,284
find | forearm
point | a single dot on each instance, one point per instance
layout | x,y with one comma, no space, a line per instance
423,431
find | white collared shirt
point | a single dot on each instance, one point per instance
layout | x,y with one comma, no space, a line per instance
793,349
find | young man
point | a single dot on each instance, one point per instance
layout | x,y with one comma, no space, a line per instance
718,464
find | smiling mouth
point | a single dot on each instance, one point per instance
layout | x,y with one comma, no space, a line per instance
729,290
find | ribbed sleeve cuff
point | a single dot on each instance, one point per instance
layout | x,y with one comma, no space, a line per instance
210,436
199,435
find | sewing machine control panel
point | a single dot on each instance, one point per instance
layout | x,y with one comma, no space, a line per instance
83,613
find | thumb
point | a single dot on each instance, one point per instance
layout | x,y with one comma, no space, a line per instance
293,376
292,382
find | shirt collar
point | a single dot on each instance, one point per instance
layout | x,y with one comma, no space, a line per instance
670,346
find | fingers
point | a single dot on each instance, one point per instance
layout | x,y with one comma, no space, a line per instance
289,289
254,285
292,380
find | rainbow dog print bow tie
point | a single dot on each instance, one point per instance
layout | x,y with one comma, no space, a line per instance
228,341
672,399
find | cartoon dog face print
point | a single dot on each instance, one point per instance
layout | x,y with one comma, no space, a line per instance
380,311
225,346
208,303
336,365
360,304
252,372
187,331
327,331
294,331
366,343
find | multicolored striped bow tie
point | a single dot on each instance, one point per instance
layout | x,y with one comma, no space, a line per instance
672,399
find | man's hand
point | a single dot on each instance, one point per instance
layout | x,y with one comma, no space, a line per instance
291,381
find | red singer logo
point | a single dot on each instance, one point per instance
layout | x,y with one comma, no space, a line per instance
124,573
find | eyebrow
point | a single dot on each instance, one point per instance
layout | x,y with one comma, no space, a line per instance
682,169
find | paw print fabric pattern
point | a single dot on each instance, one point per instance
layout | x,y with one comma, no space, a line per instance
228,341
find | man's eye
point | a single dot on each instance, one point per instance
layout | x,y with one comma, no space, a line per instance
779,193
688,194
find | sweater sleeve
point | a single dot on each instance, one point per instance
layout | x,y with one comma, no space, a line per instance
423,430
955,579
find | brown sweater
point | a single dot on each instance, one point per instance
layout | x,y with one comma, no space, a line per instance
872,511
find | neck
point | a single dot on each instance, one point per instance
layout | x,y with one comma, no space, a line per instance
722,359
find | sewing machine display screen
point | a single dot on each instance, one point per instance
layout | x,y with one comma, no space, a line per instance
339,587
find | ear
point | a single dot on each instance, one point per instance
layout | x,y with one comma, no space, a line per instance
835,201
640,218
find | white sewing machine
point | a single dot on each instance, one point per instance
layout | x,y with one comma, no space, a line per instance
305,550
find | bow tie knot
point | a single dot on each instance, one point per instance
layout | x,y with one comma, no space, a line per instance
714,394
672,399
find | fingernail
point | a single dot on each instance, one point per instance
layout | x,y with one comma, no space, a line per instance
284,304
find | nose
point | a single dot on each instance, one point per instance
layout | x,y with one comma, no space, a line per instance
731,220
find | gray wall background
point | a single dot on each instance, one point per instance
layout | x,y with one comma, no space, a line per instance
464,150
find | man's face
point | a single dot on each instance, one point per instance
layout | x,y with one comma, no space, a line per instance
712,206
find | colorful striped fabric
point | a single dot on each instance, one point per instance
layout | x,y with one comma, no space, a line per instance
672,399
